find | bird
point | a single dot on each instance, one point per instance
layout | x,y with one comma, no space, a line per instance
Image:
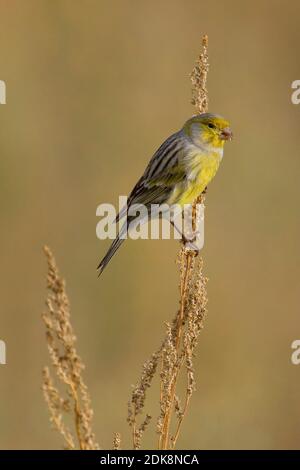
179,171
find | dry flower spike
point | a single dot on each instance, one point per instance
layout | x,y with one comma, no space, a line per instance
178,347
67,366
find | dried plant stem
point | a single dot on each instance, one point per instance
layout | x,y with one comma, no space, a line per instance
67,366
55,404
180,420
200,101
183,293
117,441
177,334
199,79
134,429
178,347
137,400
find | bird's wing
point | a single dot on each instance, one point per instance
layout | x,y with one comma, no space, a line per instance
157,189
164,170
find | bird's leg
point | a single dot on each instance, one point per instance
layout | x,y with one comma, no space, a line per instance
183,237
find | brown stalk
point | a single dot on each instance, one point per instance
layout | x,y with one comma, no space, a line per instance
178,333
200,101
178,347
74,398
117,441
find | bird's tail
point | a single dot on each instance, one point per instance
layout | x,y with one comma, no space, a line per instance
112,250
113,247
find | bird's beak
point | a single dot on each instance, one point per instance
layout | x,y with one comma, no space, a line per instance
226,134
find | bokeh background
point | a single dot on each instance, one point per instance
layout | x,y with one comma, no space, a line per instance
92,89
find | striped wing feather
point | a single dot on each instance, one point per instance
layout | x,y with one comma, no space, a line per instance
162,173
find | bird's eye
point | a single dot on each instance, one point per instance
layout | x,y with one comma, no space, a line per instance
211,126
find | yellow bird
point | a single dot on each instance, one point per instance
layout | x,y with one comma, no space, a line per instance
180,169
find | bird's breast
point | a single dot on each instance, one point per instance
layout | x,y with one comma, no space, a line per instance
200,171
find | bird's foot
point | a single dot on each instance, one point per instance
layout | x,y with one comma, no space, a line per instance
188,240
191,242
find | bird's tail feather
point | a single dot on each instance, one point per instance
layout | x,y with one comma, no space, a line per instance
114,247
112,250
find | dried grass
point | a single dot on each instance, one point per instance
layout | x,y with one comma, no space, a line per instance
117,441
175,356
74,399
136,403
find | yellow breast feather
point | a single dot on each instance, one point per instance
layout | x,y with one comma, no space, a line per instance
202,170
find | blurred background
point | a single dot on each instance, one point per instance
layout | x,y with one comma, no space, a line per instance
92,90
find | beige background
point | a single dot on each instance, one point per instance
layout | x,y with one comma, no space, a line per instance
92,89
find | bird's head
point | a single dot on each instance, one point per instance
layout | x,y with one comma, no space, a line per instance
209,129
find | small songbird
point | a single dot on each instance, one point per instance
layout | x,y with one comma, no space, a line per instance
180,169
